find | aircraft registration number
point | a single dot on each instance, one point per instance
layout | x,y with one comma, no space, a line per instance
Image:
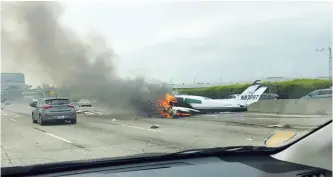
249,97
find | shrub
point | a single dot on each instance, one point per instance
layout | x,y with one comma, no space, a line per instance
292,89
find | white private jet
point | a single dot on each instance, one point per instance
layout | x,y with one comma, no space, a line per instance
202,105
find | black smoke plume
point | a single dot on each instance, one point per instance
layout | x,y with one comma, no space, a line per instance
32,34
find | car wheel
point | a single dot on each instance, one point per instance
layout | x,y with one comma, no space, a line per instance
33,120
41,122
73,121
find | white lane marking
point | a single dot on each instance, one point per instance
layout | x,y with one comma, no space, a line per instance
129,126
62,139
13,119
262,118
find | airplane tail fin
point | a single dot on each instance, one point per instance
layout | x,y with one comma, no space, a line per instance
251,89
256,95
252,93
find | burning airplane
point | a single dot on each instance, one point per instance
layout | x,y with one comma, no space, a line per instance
171,106
167,107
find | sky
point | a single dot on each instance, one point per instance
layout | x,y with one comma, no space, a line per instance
183,42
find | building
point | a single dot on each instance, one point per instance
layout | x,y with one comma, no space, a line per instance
16,80
12,85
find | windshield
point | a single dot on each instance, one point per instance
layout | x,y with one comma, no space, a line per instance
241,71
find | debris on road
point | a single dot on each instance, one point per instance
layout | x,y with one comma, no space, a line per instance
80,112
279,126
89,113
154,126
113,120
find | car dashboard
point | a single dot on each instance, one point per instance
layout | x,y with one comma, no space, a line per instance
246,166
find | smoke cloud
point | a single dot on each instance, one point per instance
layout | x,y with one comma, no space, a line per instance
32,34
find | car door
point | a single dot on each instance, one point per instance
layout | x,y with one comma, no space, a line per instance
35,111
39,108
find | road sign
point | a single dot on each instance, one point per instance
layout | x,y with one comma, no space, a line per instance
52,93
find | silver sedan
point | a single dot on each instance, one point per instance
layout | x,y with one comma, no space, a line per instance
84,103
53,110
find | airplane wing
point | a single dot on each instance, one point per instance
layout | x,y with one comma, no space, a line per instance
184,109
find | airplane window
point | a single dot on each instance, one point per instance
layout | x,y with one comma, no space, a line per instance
195,101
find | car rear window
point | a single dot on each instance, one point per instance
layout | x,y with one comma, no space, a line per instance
325,92
57,101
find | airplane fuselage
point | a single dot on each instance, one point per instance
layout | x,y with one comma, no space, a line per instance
203,105
218,110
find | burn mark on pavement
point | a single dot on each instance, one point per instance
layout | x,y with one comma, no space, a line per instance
40,129
71,143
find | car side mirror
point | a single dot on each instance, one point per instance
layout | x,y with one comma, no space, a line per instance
33,104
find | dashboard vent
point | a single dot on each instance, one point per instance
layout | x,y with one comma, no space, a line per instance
313,174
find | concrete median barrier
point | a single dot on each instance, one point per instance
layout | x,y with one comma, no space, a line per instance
293,106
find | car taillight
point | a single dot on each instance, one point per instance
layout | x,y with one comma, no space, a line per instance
47,107
71,106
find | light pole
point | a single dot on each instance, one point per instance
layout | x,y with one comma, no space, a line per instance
329,59
41,90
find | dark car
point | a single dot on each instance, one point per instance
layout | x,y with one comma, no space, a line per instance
268,96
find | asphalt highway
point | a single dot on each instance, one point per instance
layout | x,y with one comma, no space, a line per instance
98,136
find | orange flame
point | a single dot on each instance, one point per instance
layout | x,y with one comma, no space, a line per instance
166,105
168,100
